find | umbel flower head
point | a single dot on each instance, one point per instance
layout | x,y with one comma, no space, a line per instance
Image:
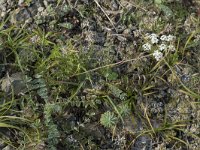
153,37
158,55
159,44
171,48
146,47
162,47
168,38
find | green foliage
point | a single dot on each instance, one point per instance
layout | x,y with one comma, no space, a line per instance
127,17
109,74
158,1
124,109
167,11
67,79
118,93
52,129
61,63
108,119
40,85
66,25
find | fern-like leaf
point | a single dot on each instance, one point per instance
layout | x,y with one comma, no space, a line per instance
124,109
115,91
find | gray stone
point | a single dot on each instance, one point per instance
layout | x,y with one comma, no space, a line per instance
3,8
20,2
35,7
40,9
15,82
114,5
2,145
45,3
11,2
95,37
2,2
20,16
8,148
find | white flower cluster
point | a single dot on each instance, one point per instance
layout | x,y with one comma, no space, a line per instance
158,55
168,38
159,44
146,47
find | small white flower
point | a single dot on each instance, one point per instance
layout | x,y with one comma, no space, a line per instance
162,47
146,47
171,48
163,38
154,40
148,35
170,38
158,55
197,38
153,35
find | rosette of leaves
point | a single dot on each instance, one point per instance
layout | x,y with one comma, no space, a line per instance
108,119
124,109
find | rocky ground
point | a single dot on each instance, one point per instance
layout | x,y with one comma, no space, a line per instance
97,74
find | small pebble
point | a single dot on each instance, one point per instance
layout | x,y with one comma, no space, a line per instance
114,5
3,14
2,2
3,8
20,2
40,9
45,3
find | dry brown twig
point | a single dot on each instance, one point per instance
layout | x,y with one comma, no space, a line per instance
112,65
